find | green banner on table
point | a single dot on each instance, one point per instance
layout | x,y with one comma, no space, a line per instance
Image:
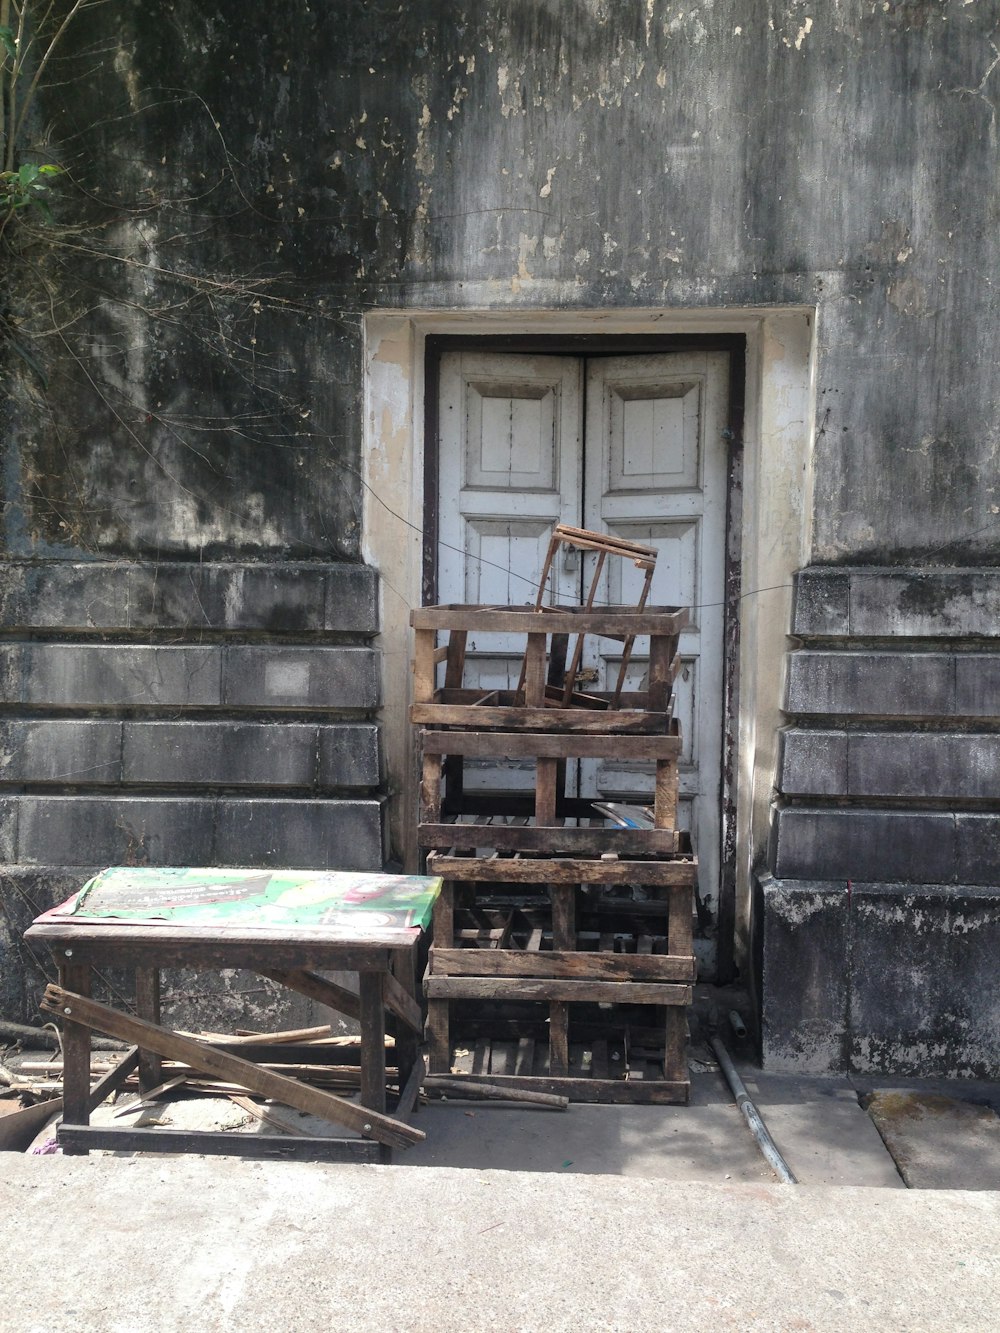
253,898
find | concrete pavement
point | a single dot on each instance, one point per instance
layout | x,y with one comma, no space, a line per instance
144,1245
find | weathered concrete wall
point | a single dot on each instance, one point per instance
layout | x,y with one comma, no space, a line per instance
878,934
255,179
517,155
151,713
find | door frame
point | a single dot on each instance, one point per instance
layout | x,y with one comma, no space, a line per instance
776,507
585,346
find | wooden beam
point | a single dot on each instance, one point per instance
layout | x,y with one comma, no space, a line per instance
637,1092
523,988
275,1147
561,963
317,988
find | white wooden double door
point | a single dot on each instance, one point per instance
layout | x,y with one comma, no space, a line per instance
632,445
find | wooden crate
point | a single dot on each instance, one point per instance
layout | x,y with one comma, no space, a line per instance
442,792
562,942
542,702
620,1063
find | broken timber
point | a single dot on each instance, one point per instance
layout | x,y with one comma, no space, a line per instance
210,1060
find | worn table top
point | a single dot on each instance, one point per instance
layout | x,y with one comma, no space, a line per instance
205,914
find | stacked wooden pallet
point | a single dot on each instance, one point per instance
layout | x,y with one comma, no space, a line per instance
554,921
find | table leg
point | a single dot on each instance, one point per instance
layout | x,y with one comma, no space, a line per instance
372,995
147,1005
76,1055
404,969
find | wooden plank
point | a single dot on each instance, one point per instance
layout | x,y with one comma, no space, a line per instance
424,668
459,1086
643,1092
578,841
410,1034
316,988
400,1003
444,907
534,671
563,899
546,794
454,672
206,947
611,620
244,1037
534,870
546,745
558,1038
76,1048
660,672
430,787
582,721
525,1060
409,1095
524,988
273,1147
86,1012
665,799
481,1057
644,966
113,1079
373,1000
439,1036
145,1098
266,1115
534,940
675,1047
147,1006
680,928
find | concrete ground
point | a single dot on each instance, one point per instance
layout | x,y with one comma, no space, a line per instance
599,1217
130,1245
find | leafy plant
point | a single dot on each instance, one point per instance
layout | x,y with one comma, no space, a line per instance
27,187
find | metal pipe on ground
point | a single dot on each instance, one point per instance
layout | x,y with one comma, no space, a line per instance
752,1116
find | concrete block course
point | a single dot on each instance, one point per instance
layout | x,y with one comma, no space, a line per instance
926,603
927,764
132,595
822,602
879,978
110,830
865,845
946,765
332,834
195,753
925,988
349,756
119,675
259,676
191,830
880,602
977,685
870,684
804,980
60,750
812,762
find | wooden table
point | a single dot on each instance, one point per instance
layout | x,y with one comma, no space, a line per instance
385,959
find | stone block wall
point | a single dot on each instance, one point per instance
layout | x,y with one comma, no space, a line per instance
177,714
878,928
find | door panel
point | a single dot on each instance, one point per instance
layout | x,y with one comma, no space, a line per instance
656,474
631,445
511,469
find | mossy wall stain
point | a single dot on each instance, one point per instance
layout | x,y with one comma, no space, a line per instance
300,166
